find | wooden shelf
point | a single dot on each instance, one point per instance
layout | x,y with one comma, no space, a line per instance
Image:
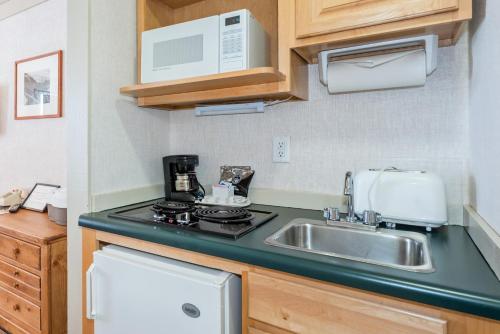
254,76
179,3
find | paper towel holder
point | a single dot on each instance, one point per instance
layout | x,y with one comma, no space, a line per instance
430,47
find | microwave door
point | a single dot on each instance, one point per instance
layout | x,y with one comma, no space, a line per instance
178,51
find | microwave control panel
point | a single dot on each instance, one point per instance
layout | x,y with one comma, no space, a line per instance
232,39
243,42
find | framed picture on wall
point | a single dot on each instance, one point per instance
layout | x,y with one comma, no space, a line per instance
39,87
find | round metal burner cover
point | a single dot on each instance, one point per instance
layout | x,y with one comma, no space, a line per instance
223,213
171,205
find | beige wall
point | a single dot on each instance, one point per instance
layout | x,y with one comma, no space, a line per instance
485,111
416,128
30,150
126,142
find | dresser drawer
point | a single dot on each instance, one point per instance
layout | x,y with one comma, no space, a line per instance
10,327
20,251
19,274
19,286
300,308
19,308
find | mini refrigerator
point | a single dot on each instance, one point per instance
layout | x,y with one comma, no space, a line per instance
131,292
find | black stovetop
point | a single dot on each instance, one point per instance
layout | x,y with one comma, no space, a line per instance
220,220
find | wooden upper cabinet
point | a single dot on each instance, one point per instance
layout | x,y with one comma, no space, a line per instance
317,17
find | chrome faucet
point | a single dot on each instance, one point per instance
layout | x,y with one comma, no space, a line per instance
349,192
369,221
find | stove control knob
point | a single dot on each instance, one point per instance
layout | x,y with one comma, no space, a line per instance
184,218
158,216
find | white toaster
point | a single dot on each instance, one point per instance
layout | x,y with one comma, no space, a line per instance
407,197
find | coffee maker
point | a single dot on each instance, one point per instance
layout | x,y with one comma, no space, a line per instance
181,183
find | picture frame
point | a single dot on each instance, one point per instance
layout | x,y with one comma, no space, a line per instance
39,196
38,87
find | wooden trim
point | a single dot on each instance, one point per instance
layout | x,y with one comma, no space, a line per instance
59,85
58,286
244,303
258,327
252,76
171,252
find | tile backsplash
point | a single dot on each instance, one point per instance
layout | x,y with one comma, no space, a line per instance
415,128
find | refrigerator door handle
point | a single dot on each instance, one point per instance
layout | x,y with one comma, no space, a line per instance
90,308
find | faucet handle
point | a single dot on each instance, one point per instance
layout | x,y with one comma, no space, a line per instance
331,214
371,217
348,184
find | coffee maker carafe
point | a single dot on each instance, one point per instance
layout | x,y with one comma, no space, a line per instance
181,183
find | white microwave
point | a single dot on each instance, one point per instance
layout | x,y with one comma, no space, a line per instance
221,43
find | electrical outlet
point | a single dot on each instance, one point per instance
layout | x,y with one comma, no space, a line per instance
281,149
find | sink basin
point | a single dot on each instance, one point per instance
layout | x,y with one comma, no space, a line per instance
397,249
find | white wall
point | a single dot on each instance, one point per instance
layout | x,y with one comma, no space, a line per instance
407,128
30,150
77,85
127,142
485,112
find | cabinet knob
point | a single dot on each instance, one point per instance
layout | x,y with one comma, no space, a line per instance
16,307
17,251
16,285
17,273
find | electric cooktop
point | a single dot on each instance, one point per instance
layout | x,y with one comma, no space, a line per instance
220,220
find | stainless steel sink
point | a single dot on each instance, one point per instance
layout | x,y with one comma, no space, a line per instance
397,249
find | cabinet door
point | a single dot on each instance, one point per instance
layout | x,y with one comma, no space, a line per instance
303,309
316,17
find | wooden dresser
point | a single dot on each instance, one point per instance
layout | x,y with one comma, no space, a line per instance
33,274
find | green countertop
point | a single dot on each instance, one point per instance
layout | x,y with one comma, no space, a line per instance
463,281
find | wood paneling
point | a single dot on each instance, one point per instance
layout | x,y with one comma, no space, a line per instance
316,17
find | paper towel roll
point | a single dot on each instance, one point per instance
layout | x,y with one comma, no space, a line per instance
394,70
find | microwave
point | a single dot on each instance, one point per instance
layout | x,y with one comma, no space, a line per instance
222,43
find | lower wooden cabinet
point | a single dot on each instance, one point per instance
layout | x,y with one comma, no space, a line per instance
33,274
278,303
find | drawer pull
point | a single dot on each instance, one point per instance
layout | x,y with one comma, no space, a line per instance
16,307
17,251
17,273
16,285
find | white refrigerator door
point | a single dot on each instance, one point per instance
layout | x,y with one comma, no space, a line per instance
139,293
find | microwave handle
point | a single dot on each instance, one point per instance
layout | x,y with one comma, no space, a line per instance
90,292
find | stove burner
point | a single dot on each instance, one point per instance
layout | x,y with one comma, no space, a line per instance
224,215
171,206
